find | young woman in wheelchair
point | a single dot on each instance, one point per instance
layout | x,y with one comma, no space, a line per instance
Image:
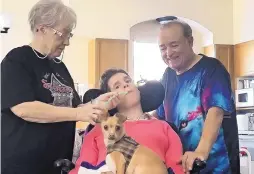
146,130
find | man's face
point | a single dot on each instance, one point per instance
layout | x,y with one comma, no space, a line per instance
175,48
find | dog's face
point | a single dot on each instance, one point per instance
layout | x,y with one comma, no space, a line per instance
113,129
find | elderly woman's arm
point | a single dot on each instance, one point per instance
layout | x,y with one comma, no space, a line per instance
40,112
45,113
19,95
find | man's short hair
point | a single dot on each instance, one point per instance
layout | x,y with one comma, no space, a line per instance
187,31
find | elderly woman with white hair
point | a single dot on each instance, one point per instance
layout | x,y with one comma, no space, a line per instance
39,104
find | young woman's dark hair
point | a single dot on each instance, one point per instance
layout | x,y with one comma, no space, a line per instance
106,76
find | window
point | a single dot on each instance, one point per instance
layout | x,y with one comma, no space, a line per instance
148,63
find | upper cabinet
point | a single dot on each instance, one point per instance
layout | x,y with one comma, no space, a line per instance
225,53
238,59
244,59
209,51
104,54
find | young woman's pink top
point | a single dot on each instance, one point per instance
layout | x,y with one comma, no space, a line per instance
154,134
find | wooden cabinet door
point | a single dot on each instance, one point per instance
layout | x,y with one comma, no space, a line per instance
112,54
209,51
244,59
105,54
225,53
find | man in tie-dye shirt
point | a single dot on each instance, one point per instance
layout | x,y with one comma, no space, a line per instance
199,101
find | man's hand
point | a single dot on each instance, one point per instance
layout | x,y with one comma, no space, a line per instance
210,132
189,158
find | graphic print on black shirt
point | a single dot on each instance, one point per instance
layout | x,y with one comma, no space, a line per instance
61,93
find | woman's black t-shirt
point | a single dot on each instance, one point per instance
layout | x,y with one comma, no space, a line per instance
29,147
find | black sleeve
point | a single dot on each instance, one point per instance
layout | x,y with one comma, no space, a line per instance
16,82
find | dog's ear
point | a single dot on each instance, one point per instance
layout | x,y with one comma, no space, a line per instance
122,118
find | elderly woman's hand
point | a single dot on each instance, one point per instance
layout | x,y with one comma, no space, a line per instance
111,99
90,112
94,111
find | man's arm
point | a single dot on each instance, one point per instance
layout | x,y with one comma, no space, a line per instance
217,99
210,131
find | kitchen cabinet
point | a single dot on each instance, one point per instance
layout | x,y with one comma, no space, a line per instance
224,53
244,59
104,54
209,51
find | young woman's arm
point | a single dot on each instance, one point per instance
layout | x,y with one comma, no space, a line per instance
174,151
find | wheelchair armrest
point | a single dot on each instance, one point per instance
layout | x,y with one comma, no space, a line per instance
64,165
198,165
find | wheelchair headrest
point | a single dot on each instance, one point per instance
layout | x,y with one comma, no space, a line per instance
91,94
152,95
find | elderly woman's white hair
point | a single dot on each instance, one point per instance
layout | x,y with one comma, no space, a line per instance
52,13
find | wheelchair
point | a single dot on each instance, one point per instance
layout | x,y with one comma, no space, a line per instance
158,92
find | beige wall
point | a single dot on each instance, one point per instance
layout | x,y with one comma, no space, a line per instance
114,18
76,58
243,20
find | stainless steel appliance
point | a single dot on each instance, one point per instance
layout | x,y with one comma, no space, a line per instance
246,142
245,122
244,97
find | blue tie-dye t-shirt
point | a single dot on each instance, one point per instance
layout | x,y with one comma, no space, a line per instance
188,98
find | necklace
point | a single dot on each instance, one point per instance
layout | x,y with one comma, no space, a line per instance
57,61
144,116
35,52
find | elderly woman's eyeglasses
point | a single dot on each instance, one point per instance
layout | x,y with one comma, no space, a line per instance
62,35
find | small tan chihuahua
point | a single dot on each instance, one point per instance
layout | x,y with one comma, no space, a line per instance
125,155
